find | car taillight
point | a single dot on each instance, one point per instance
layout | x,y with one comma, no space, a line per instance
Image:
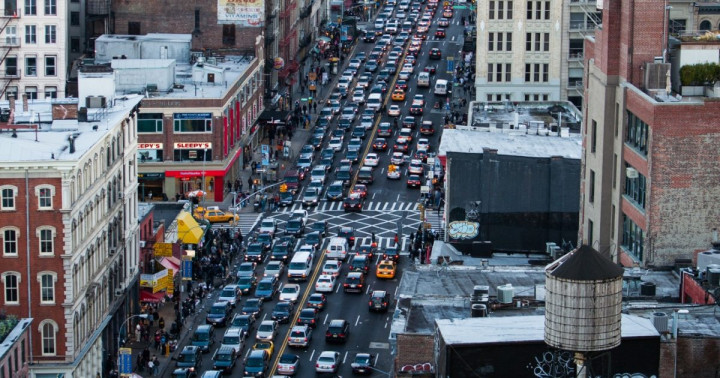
359,285
342,335
345,285
328,334
384,303
317,365
370,303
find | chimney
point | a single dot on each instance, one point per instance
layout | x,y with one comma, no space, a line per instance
71,139
11,98
25,102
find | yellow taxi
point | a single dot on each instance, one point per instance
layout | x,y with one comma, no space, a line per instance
218,216
386,269
268,346
398,95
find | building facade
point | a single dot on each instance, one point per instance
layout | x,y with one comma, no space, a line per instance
69,226
518,50
15,347
35,50
648,186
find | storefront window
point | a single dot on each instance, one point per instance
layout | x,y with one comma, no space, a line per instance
150,123
153,156
193,155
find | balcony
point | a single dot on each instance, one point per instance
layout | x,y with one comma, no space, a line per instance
98,7
582,26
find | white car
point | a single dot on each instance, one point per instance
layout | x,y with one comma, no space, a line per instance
405,134
423,144
267,330
274,269
269,226
393,172
355,63
371,160
234,337
290,292
358,96
418,99
343,83
416,167
398,158
318,173
332,268
325,284
367,122
335,106
327,362
364,81
394,111
335,144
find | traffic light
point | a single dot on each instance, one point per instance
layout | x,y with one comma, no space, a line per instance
391,168
283,188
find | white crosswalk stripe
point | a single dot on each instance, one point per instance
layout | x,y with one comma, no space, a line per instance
246,222
326,206
436,220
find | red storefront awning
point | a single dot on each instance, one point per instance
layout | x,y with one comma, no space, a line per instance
150,297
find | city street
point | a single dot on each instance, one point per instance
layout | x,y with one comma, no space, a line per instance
391,208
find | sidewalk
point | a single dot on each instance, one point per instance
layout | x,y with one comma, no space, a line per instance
167,365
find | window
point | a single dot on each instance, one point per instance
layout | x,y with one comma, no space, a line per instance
50,69
637,134
537,73
491,10
30,34
495,42
705,26
50,34
547,10
615,163
591,195
498,96
12,91
48,332
193,125
8,193
197,19
12,284
498,72
228,37
150,123
633,238
46,237
591,225
47,287
612,222
537,97
44,194
30,7
10,239
491,41
50,92
193,155
677,26
74,44
593,137
74,18
546,41
11,35
504,10
31,92
635,188
50,7
133,28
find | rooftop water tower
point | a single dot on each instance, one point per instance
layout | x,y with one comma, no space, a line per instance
583,303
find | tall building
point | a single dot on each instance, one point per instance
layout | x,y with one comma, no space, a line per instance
518,50
650,159
34,59
580,19
68,223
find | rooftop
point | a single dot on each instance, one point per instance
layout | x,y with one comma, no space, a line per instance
509,142
51,141
506,114
12,334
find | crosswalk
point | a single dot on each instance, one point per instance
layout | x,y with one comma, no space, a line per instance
369,206
436,220
246,222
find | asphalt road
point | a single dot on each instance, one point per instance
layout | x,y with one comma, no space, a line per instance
391,208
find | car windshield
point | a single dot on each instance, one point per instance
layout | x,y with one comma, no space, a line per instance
307,314
254,362
265,328
264,286
223,357
228,293
290,290
294,223
291,179
231,340
287,359
297,334
187,357
385,266
246,268
217,310
240,322
326,360
296,265
244,281
201,336
362,359
254,248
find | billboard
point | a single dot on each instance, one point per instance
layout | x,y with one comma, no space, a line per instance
246,13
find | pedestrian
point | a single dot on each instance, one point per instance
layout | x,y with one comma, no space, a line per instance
157,340
372,237
252,166
146,355
314,107
396,239
138,332
151,367
140,367
156,365
412,239
161,323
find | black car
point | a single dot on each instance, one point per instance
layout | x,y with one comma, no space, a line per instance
313,238
282,312
379,301
367,250
360,263
347,233
255,252
286,199
435,53
353,203
363,363
219,314
345,175
282,250
252,307
321,227
354,282
409,122
365,175
369,37
338,331
309,317
295,226
245,322
384,74
317,301
391,253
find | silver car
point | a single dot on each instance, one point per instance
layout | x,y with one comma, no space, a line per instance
327,362
300,336
267,330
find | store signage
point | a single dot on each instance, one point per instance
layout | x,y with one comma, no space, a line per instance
163,249
151,175
192,115
150,146
192,145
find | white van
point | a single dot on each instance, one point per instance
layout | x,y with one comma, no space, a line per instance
234,337
441,87
423,79
300,266
374,101
337,248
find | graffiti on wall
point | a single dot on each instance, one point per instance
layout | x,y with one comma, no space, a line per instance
463,230
553,364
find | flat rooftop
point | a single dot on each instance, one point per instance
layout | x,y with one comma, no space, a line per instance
471,331
509,142
510,114
233,66
50,142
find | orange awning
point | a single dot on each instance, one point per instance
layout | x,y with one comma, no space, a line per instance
168,263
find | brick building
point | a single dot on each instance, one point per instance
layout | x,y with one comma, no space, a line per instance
650,156
69,225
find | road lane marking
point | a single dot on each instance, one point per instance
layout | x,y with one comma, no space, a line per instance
357,320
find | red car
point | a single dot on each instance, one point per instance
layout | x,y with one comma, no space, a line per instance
416,109
380,144
361,189
431,68
413,181
435,53
401,84
427,128
440,33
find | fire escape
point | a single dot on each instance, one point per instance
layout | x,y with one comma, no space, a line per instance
8,26
286,43
584,19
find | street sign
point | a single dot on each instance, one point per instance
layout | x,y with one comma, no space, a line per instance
187,268
170,285
162,249
265,151
125,361
425,189
450,64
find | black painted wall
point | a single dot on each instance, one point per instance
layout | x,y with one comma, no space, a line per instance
525,201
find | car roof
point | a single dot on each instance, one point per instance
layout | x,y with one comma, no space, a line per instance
234,330
354,275
337,322
378,293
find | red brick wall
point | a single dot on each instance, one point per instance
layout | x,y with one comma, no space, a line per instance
682,177
693,292
696,358
179,17
37,264
414,349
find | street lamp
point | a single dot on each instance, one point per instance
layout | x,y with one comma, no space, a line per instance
122,326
